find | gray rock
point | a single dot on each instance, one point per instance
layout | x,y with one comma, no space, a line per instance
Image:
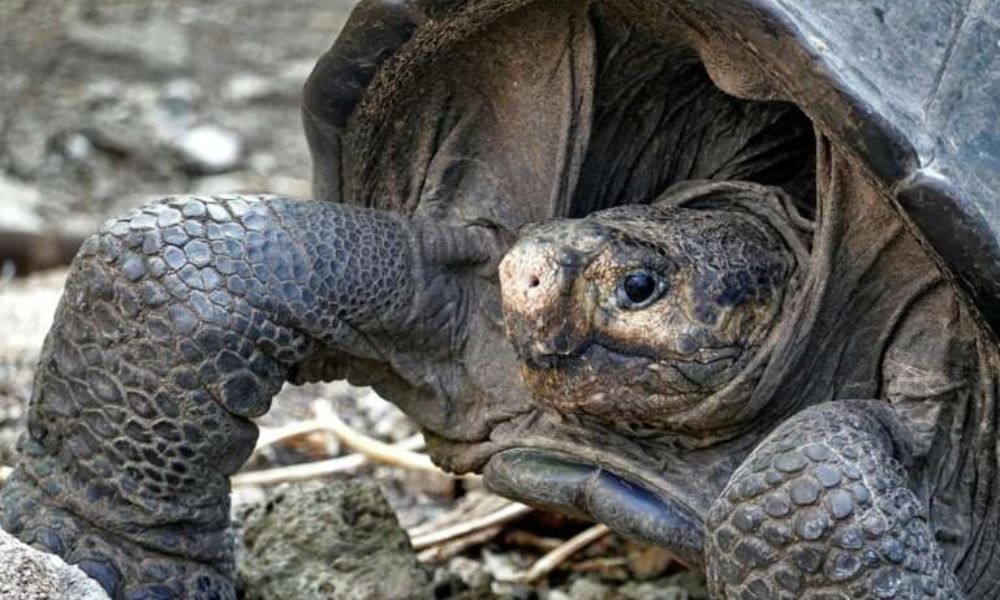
159,44
470,572
589,589
685,585
28,574
20,204
210,149
333,541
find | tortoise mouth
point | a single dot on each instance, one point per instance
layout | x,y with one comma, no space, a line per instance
556,480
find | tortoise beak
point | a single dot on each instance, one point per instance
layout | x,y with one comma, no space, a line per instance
544,317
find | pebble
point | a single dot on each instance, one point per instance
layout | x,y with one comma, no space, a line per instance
210,148
20,203
588,589
26,573
470,572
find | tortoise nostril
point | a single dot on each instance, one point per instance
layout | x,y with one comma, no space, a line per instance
533,282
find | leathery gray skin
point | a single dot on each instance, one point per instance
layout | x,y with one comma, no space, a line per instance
178,324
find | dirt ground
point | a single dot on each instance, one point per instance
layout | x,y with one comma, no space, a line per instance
105,103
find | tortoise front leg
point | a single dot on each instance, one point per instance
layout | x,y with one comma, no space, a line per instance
179,322
822,509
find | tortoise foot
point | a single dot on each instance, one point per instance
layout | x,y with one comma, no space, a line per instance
126,570
822,509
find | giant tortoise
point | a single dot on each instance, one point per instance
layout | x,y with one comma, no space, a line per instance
721,274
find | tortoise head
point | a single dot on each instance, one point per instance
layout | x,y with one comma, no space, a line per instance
635,314
637,330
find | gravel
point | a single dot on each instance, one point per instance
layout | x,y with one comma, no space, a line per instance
28,574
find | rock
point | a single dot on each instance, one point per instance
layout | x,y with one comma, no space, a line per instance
504,567
587,588
247,87
78,147
470,572
681,586
385,420
29,574
20,204
159,45
210,149
333,541
26,309
647,562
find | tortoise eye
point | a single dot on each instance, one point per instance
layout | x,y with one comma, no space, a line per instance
639,289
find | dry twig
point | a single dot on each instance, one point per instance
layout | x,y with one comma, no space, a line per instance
546,564
506,514
452,548
273,435
316,469
370,447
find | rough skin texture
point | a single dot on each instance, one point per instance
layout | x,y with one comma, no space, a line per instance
179,322
716,282
823,509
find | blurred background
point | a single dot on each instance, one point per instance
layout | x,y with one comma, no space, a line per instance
106,103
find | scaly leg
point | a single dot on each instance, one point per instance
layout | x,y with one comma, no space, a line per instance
178,324
822,509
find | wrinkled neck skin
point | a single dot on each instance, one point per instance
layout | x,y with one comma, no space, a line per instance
867,289
558,145
668,474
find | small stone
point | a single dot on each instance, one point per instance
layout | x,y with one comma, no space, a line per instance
247,87
78,147
332,536
589,589
29,573
210,149
470,572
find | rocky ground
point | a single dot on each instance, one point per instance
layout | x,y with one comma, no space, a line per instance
104,103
